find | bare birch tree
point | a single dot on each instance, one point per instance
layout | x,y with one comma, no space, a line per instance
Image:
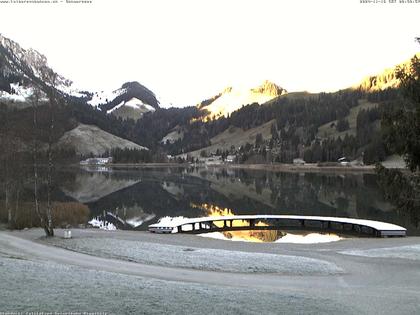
35,155
50,167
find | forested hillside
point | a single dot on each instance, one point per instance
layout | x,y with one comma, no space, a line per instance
36,102
297,127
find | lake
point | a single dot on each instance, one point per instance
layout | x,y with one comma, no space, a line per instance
134,198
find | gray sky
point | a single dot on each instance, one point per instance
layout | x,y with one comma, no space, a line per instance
188,50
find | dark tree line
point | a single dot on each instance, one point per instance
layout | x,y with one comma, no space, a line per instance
297,120
131,156
402,135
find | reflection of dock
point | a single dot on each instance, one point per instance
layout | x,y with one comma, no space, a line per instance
278,222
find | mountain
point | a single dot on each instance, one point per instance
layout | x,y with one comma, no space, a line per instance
25,73
232,99
132,100
316,127
87,139
385,79
321,127
22,70
90,187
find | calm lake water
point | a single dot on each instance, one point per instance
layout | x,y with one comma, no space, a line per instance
136,198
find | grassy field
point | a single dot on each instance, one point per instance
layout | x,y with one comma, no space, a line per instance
328,130
293,95
236,137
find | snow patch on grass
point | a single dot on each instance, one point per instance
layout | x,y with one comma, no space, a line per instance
103,97
107,226
311,238
20,93
411,252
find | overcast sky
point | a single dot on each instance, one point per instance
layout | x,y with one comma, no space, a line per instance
188,50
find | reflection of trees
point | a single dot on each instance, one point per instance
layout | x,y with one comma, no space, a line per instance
401,123
249,192
309,193
401,190
246,191
18,211
150,196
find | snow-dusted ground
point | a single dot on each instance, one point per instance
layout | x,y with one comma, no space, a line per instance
134,103
403,252
311,238
30,286
198,258
138,104
115,108
103,97
37,277
71,89
20,93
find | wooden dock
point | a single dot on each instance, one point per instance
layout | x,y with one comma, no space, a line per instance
278,222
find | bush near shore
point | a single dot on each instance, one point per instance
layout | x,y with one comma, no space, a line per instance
64,213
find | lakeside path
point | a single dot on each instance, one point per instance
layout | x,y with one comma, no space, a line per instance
114,272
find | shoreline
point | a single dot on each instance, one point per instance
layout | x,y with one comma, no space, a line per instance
308,168
264,167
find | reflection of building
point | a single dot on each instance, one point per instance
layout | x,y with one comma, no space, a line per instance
344,161
230,158
211,160
96,161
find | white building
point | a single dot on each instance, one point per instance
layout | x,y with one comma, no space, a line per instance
96,161
298,162
344,161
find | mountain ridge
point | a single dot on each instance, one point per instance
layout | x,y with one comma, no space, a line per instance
293,131
384,79
232,99
22,70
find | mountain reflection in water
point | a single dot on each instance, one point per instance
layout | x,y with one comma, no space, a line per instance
284,237
261,235
142,196
249,236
